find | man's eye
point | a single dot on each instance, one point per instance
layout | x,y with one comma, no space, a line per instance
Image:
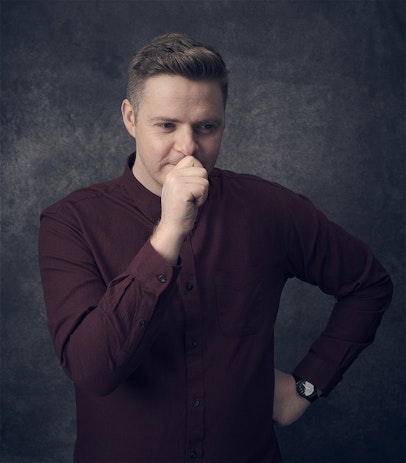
166,125
206,127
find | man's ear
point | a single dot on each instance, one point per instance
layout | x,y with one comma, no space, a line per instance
128,114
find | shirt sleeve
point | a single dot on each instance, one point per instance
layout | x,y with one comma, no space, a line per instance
321,253
99,333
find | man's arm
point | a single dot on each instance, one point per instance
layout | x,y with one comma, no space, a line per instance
323,254
101,334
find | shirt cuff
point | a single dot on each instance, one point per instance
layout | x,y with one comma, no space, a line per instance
152,270
315,370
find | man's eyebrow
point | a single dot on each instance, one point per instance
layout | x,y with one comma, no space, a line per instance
162,118
214,120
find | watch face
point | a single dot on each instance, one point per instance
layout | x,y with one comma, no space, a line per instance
308,388
305,388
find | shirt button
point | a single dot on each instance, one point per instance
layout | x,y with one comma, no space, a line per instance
141,322
193,454
196,402
162,278
194,344
188,286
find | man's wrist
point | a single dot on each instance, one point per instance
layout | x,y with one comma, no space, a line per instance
167,242
306,389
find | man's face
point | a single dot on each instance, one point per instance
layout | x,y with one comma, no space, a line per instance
177,118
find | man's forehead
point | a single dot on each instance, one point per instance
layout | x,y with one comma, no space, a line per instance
170,97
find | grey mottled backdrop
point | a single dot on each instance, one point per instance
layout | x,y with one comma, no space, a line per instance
317,103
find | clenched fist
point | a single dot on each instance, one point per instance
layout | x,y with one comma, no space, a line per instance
185,189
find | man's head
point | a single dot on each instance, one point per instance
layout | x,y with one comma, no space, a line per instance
175,107
176,55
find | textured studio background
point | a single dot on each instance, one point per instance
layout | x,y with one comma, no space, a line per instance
316,103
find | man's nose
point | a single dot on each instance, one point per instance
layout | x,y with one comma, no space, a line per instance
186,141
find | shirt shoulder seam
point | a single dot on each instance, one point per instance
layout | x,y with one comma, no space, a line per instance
92,194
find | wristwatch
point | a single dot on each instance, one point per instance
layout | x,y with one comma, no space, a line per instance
306,389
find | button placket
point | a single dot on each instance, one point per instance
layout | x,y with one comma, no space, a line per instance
194,355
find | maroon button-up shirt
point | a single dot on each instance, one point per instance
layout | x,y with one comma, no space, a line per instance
174,364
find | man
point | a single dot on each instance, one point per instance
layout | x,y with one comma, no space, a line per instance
162,286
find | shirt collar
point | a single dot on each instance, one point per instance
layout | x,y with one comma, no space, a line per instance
145,201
